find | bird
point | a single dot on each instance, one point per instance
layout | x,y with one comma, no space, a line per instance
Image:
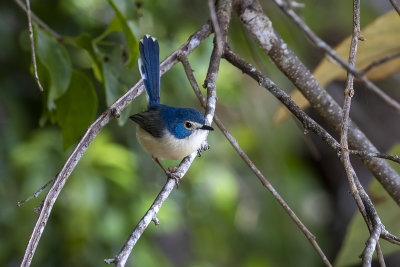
165,132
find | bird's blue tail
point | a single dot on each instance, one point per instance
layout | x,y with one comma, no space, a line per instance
149,66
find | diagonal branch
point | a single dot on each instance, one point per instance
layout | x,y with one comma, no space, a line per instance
247,160
307,122
318,42
260,27
41,24
151,215
380,61
220,20
113,111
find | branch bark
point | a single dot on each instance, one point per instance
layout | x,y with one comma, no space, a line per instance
32,41
151,215
113,111
220,20
318,42
308,123
264,181
223,13
260,27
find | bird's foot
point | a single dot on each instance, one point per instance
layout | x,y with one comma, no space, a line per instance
171,174
202,148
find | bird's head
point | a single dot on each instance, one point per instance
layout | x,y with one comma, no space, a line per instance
183,122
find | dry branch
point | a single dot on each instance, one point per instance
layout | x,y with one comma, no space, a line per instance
355,185
113,111
264,181
318,42
260,27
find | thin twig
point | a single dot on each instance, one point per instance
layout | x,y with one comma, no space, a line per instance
379,62
332,53
32,41
393,158
215,23
37,193
348,93
223,12
390,237
355,186
247,160
376,228
92,132
41,24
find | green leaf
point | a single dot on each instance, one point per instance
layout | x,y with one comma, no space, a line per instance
85,41
357,232
55,59
113,69
76,108
114,26
130,37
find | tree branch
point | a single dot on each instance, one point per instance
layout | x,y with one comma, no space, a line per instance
376,229
309,124
379,62
151,215
223,12
332,53
355,185
394,158
32,41
41,24
113,111
37,193
220,22
260,27
247,160
348,94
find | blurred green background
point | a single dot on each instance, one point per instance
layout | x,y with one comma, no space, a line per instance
220,215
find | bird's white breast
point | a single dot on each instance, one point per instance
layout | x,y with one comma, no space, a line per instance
168,146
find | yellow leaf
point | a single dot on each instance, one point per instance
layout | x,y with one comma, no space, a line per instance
381,41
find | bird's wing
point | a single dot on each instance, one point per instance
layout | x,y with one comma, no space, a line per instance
150,121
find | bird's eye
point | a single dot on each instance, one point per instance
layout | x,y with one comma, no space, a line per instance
188,125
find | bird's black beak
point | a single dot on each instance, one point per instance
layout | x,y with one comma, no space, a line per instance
206,127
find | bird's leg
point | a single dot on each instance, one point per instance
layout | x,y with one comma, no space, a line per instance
170,172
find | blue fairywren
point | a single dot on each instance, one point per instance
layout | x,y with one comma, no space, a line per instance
165,132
